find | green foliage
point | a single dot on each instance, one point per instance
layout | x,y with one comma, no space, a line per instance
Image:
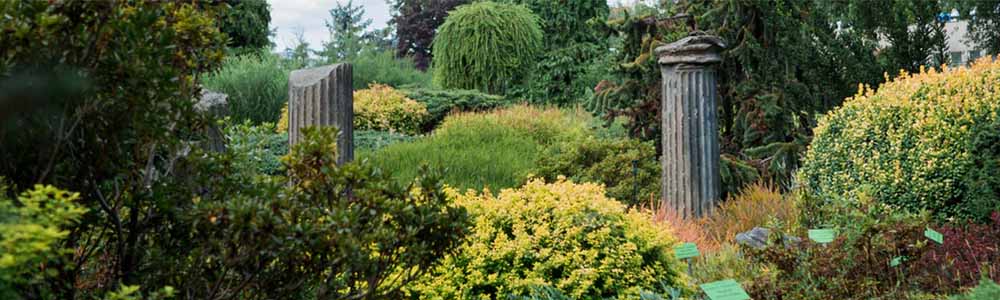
131,292
546,240
986,290
922,142
256,83
494,150
347,24
121,142
247,24
608,162
486,46
371,140
440,103
982,27
416,23
382,67
32,229
572,43
324,232
256,148
909,30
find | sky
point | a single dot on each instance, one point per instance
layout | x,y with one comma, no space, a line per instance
309,16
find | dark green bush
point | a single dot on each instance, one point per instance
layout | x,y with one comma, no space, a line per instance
257,85
928,141
257,149
486,46
608,162
323,232
440,103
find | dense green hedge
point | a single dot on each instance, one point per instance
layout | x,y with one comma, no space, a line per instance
927,141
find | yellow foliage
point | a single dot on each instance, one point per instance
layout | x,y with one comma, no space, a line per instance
380,107
559,235
921,141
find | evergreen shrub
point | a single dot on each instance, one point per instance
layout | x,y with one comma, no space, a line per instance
384,67
561,236
927,141
486,46
442,102
606,161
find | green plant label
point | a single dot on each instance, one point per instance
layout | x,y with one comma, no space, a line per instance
896,261
822,236
686,250
725,290
934,235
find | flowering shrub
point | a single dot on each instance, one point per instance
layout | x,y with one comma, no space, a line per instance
381,107
558,236
922,141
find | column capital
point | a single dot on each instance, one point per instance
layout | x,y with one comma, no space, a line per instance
698,48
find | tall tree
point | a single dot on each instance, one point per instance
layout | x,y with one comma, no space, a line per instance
247,22
347,26
416,24
908,31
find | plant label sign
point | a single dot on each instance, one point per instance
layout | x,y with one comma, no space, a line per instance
934,235
686,250
822,236
725,290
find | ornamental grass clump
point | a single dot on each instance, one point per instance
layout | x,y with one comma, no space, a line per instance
562,237
486,46
926,141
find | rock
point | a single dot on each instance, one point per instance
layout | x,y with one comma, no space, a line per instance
755,238
215,106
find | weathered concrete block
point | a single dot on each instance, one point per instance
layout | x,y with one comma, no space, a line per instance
690,160
323,96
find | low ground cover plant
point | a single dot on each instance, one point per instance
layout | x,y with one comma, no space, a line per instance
441,102
925,141
564,237
496,149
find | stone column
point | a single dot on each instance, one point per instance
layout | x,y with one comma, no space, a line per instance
323,96
690,178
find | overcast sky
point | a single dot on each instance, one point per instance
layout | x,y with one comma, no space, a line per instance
308,16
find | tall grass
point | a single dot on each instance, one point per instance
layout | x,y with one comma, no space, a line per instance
494,150
756,205
383,67
257,85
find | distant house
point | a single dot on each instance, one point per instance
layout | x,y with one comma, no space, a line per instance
961,50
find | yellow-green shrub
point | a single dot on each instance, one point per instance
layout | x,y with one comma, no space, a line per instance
563,236
922,141
380,107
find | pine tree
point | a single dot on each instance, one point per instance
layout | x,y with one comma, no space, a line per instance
347,25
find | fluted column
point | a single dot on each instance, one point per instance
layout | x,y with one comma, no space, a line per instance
323,96
690,160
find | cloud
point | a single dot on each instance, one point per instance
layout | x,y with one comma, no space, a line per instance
309,16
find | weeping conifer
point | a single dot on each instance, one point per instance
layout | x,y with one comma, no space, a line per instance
486,46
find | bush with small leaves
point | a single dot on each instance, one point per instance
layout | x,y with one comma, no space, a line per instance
560,236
